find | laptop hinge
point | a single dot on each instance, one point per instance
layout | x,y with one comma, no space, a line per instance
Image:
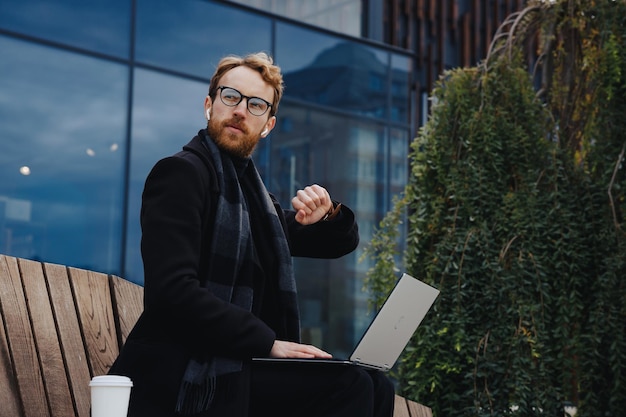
384,368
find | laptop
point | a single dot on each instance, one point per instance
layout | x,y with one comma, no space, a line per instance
389,332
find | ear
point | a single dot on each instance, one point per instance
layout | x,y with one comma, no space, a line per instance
269,125
207,106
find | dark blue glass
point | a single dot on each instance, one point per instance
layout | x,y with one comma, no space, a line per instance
191,36
63,129
98,25
167,112
343,16
333,72
361,165
401,69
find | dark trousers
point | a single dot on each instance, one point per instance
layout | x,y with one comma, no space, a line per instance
319,390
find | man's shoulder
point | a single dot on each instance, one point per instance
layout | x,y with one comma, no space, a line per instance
196,147
197,155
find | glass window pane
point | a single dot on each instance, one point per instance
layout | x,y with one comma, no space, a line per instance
399,160
333,72
63,127
167,112
98,25
341,16
353,159
401,69
191,36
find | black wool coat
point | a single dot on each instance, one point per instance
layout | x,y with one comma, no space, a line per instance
181,317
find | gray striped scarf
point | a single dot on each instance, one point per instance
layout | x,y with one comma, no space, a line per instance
232,247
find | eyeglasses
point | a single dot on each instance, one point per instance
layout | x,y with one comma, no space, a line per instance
231,97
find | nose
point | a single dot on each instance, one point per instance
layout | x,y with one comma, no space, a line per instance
242,107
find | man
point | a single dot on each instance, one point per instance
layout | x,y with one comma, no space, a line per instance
219,286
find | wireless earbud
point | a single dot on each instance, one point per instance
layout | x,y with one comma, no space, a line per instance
208,114
265,132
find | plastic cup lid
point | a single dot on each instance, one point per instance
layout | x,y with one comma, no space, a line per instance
110,381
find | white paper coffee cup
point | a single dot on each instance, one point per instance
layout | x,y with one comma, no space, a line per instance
110,395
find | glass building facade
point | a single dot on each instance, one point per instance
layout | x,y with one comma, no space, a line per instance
94,92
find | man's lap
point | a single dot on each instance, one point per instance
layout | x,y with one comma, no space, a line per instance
318,389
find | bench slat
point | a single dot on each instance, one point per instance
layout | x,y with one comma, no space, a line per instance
70,335
419,410
401,408
46,338
8,383
95,312
407,408
20,339
128,301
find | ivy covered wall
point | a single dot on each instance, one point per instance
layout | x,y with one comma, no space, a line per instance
515,211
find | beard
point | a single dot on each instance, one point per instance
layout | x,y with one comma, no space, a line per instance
241,145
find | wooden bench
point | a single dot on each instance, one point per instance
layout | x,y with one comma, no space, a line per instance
59,327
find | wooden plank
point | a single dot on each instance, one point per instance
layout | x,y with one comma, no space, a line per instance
46,339
128,305
9,397
95,312
400,408
20,340
419,410
408,408
68,326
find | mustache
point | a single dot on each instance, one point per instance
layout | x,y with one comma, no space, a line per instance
235,122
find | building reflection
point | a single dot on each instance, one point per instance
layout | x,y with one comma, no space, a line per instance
89,119
354,158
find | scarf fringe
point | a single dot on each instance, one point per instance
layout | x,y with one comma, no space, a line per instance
194,398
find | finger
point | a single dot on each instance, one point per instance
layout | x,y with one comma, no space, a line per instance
299,203
300,216
325,202
311,198
319,353
296,350
313,351
318,194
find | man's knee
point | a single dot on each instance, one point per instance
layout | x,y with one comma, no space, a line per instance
371,390
382,384
359,381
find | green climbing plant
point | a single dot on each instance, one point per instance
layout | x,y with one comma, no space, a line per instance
514,210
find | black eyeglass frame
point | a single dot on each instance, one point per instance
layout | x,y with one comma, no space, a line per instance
241,97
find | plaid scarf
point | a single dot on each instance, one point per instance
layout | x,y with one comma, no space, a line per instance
229,277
